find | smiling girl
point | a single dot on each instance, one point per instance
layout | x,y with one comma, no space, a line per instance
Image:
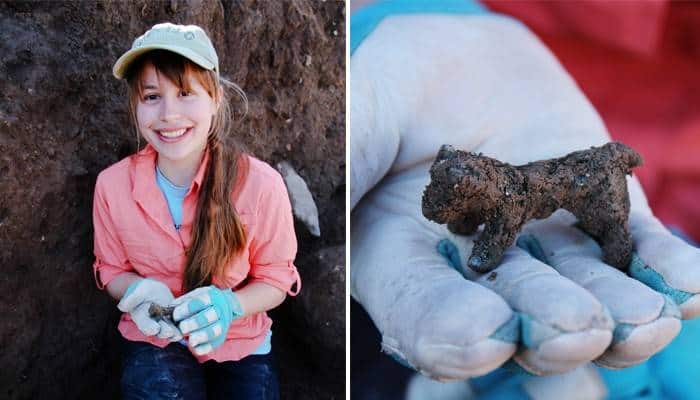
193,225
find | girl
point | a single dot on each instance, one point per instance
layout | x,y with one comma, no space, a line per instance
194,238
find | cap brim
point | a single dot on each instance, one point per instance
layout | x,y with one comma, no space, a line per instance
130,56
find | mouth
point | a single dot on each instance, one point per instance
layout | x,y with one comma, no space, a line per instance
173,135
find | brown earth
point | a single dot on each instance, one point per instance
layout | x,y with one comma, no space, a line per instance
63,118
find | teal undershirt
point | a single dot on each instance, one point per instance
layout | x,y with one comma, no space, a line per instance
174,196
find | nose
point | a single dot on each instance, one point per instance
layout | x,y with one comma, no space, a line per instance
169,109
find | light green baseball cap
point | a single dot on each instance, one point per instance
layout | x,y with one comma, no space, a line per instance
189,41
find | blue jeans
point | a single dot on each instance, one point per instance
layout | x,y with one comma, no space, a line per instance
172,372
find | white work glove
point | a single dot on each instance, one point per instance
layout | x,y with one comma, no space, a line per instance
484,83
137,300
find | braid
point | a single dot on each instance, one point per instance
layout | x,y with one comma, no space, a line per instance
218,235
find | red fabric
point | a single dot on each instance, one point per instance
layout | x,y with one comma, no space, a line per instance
639,64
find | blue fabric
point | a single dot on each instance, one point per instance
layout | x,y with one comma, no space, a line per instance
174,195
503,383
172,372
637,382
266,346
677,367
364,20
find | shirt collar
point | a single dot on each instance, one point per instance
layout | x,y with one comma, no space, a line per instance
144,173
147,193
146,164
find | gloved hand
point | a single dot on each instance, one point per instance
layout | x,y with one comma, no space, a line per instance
484,83
205,314
136,301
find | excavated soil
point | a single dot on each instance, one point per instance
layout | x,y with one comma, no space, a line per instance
63,118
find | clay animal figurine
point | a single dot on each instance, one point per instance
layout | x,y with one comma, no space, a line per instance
161,312
467,190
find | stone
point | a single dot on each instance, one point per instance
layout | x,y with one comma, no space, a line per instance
303,205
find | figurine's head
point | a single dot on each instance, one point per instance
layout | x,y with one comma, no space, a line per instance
457,186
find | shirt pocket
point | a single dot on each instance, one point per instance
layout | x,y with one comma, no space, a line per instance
149,256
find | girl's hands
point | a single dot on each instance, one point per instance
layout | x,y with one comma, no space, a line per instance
136,301
205,314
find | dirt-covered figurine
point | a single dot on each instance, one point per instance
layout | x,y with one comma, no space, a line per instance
467,190
161,312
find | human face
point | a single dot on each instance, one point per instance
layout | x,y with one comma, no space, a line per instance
174,121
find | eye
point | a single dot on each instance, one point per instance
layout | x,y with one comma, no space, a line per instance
185,93
150,97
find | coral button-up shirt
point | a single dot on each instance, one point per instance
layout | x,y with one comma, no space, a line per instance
134,232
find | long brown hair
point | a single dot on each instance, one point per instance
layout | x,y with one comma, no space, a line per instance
218,234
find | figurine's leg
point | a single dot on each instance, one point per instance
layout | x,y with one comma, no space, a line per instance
465,225
613,236
490,245
617,245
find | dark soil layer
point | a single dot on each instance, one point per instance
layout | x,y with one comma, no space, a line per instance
63,118
467,190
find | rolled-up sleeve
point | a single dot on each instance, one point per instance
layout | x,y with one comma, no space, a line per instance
274,244
110,256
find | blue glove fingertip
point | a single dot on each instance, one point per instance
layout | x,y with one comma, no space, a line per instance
533,332
531,244
509,332
644,273
449,250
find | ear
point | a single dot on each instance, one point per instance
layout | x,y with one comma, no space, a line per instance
446,151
